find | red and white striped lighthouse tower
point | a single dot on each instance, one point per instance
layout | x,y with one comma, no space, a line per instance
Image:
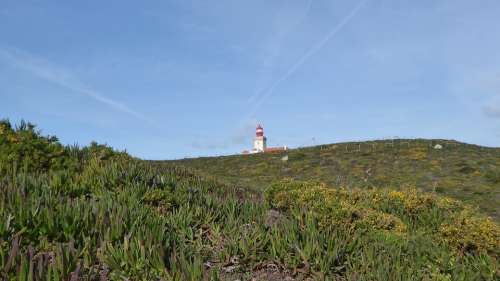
260,141
259,131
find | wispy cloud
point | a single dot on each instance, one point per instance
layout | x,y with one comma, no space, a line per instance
285,23
267,92
46,70
242,135
492,111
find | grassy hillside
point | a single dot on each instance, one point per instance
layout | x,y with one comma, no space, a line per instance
466,172
92,213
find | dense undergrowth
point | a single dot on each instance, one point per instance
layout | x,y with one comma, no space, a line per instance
69,213
462,171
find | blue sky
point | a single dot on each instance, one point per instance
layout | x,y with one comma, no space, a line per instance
174,78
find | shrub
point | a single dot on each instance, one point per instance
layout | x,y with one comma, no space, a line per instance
445,220
332,206
493,176
158,197
470,233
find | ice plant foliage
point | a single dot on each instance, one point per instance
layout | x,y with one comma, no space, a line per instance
92,213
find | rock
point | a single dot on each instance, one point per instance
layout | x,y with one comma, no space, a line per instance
208,264
273,217
230,269
438,147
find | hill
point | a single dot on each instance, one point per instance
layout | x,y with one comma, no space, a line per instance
93,213
466,172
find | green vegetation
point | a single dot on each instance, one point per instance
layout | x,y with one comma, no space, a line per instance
69,213
466,172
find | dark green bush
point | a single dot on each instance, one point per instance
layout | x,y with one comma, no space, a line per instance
493,176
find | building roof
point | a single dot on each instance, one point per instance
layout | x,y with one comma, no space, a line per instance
275,149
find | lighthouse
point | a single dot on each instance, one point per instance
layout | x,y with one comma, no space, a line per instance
260,141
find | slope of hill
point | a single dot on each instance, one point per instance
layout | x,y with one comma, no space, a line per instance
466,172
92,213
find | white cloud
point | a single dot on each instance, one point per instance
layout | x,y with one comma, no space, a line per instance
47,71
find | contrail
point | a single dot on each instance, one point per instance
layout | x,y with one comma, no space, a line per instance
269,91
256,95
63,78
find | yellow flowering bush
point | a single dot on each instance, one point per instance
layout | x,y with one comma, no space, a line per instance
444,219
469,233
382,221
435,165
332,206
418,153
412,201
